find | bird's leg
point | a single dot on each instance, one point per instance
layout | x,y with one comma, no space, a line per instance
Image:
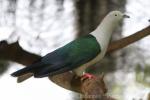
87,76
79,72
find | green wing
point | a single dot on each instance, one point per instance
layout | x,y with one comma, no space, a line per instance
72,55
83,50
66,58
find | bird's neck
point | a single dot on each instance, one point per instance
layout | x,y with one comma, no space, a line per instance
103,33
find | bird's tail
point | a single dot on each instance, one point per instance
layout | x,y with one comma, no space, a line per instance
24,77
21,72
26,72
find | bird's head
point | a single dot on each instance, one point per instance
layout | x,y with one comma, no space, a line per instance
116,16
112,20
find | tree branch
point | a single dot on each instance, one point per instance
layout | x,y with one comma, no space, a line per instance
14,52
128,40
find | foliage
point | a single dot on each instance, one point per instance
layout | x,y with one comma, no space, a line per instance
143,75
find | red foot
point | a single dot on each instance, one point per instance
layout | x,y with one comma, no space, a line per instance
87,76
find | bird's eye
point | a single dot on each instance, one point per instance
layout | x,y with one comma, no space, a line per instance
115,14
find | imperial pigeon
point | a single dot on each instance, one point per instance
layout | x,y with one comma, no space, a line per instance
77,55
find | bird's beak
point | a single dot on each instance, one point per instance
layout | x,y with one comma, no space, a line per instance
126,16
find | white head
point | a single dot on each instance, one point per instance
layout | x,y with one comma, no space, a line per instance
116,16
111,21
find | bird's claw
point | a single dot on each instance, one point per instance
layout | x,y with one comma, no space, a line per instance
87,76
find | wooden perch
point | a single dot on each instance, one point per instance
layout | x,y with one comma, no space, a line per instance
94,89
14,52
128,40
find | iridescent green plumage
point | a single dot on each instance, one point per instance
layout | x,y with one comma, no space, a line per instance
68,57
